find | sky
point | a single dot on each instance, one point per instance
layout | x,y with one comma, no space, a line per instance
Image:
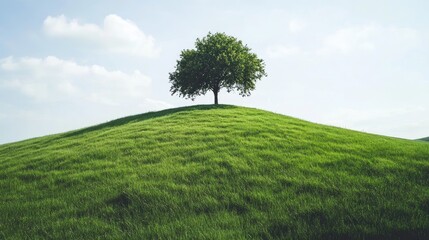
361,65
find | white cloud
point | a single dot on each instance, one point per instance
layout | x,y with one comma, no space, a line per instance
347,40
296,26
386,41
52,79
117,35
368,38
279,51
157,104
8,64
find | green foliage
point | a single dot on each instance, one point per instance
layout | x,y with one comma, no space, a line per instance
214,172
219,61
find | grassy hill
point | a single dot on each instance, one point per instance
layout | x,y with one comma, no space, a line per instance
425,139
212,172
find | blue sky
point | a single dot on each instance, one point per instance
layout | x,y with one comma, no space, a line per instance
361,65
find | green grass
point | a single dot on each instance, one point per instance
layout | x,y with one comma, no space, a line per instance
214,172
425,139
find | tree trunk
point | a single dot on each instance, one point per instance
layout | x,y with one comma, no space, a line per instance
215,97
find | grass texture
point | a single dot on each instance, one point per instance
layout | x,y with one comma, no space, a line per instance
214,172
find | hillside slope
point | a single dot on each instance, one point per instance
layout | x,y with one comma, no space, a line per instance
213,172
425,139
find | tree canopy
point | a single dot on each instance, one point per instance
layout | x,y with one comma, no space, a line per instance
218,61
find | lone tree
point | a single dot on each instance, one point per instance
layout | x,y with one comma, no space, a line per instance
219,61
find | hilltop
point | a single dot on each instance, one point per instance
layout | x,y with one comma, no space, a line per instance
214,172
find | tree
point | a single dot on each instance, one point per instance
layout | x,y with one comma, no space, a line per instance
218,61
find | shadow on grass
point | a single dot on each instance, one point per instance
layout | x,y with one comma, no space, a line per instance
393,234
143,117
